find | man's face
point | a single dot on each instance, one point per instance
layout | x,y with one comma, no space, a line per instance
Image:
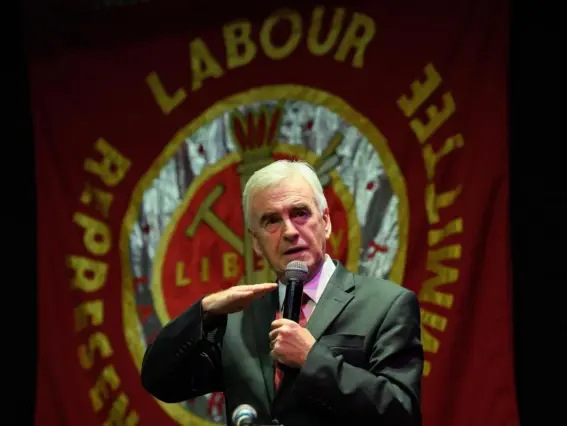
287,225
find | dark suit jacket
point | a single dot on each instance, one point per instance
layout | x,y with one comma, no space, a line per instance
364,368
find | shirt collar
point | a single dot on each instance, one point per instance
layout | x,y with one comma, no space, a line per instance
314,288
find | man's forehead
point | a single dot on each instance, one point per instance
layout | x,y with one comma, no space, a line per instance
274,207
282,197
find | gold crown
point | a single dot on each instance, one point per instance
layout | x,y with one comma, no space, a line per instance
255,135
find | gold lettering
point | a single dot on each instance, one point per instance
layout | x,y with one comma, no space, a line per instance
433,320
431,158
98,341
205,269
203,64
100,392
166,102
206,214
180,279
90,274
113,166
359,43
280,52
434,202
430,343
230,267
443,275
420,91
313,44
434,236
336,240
237,34
426,368
89,313
103,199
117,414
96,237
436,118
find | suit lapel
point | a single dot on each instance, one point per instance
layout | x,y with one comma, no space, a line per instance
264,311
334,299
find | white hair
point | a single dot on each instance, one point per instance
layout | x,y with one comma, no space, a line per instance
275,173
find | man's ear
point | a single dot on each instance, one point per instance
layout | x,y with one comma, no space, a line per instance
327,221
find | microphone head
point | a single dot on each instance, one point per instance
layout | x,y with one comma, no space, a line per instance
242,412
296,270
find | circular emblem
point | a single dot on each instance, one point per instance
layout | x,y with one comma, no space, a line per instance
184,234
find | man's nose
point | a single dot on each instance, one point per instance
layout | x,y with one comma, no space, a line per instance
289,231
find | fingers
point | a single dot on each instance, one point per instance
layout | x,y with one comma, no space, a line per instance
274,347
240,295
280,322
279,327
273,334
274,355
244,292
257,288
235,298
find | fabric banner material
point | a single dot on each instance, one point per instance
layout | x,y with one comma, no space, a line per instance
143,149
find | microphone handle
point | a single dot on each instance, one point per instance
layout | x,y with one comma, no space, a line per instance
292,301
292,310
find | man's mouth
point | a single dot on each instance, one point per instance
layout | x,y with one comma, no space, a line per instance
295,250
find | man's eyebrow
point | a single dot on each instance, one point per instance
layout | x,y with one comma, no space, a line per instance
267,215
300,206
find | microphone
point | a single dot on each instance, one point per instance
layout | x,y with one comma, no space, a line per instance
244,415
295,273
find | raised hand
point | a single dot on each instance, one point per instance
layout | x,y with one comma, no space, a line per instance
234,299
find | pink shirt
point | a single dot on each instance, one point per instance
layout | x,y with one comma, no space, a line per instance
314,288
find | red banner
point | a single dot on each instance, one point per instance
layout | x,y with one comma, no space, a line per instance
141,152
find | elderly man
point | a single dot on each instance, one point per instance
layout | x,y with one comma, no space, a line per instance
357,360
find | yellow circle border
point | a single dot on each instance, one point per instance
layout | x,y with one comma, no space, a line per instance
260,94
341,191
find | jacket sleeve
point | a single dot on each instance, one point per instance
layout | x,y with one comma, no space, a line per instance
388,392
184,361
